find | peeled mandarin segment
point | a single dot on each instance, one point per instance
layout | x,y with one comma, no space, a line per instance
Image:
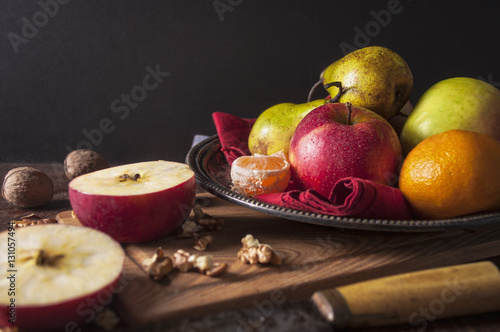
260,174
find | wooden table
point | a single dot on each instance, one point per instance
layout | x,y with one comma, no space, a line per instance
265,298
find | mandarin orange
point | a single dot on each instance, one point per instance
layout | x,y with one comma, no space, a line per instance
452,174
260,174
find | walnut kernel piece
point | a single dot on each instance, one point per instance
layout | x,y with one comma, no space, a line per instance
27,187
202,262
206,220
253,252
83,161
184,261
33,219
188,230
181,261
217,270
201,243
159,265
249,241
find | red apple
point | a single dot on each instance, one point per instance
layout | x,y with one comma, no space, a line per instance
58,276
338,140
136,202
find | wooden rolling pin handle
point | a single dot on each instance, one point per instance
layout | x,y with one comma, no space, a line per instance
413,298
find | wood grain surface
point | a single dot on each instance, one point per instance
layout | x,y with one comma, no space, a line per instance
314,258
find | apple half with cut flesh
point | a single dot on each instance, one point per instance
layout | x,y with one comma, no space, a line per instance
62,276
136,202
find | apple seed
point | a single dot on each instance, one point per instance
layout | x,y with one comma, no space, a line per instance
126,177
42,258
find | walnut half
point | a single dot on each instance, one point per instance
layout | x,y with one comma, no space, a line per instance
33,219
159,265
253,252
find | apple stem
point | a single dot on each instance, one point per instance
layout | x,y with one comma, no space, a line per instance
348,104
338,84
314,87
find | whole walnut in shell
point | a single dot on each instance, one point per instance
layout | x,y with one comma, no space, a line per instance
27,187
83,161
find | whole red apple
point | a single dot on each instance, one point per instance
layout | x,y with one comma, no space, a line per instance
339,140
136,202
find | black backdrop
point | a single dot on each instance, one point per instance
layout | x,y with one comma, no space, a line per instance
136,80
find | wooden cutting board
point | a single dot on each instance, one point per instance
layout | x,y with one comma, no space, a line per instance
314,258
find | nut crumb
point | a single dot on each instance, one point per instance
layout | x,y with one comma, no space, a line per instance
33,219
107,320
159,265
253,252
201,242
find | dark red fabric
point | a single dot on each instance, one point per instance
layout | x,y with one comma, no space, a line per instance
350,197
233,134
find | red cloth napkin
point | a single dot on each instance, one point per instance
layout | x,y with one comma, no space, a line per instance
350,197
233,134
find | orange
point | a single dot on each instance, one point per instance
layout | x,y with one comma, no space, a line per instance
452,174
260,174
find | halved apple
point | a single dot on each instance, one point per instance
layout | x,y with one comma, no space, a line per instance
135,202
58,277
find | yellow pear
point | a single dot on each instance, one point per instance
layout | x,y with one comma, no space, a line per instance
373,77
274,127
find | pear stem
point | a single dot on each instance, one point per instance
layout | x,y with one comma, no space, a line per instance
314,87
349,111
338,84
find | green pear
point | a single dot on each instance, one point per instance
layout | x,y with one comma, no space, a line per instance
373,77
274,127
454,103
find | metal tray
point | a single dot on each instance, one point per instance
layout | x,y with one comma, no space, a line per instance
213,174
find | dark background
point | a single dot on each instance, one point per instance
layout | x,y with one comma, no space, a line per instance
59,81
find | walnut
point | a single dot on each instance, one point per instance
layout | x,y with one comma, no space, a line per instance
159,265
27,187
83,161
33,219
207,221
253,252
201,242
